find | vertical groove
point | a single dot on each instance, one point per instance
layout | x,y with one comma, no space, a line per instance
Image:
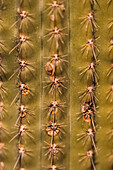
41,78
109,96
69,65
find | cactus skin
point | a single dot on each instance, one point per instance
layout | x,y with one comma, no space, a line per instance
8,14
61,117
103,14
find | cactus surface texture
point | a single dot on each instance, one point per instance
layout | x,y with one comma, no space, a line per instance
56,84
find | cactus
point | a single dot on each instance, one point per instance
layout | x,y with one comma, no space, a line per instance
103,15
23,125
49,79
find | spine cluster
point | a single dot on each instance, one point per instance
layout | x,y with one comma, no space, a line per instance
88,96
24,69
55,84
